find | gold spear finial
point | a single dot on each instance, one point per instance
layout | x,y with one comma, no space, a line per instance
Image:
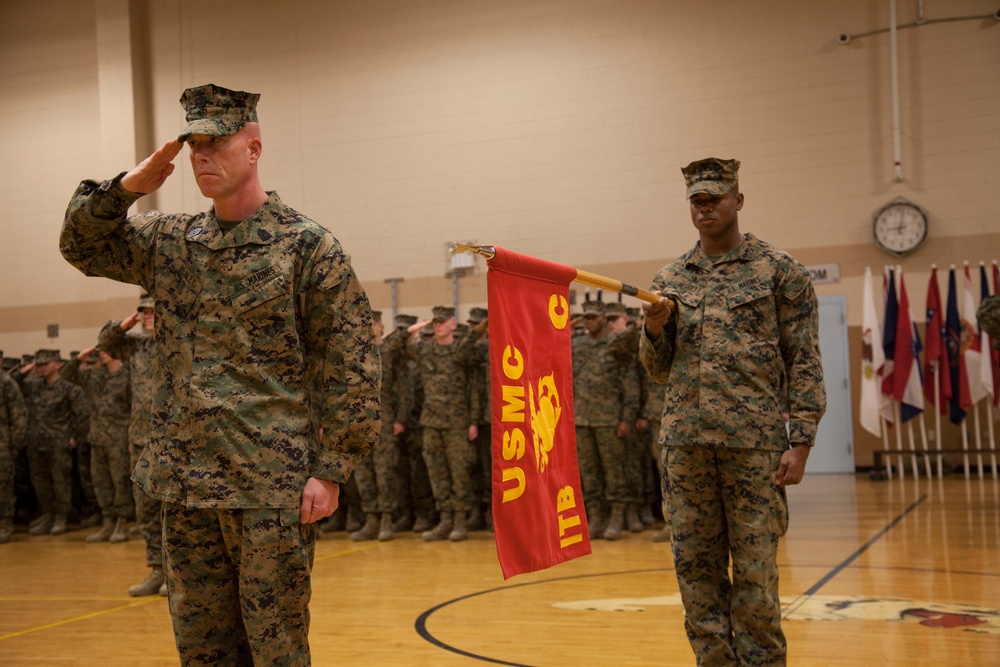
487,251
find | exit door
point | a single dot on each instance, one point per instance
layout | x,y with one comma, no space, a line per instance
834,450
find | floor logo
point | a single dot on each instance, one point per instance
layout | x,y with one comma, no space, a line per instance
836,608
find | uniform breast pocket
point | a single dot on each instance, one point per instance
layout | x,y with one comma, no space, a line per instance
266,308
752,310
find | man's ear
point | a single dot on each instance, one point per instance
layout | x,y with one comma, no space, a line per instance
254,149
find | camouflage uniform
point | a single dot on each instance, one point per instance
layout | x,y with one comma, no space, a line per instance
602,400
57,412
13,427
110,404
82,459
250,323
651,410
988,317
376,475
743,323
477,356
416,500
138,350
445,417
625,347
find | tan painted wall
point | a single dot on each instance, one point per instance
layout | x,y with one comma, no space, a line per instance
552,127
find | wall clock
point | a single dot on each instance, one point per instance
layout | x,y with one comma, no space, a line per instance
899,227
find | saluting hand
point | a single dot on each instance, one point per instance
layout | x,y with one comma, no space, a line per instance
129,321
150,174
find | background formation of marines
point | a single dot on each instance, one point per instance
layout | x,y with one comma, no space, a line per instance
392,490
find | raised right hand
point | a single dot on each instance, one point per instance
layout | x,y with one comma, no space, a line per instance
129,321
150,174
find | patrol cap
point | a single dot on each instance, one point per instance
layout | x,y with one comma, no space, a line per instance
376,316
712,175
10,363
47,356
633,312
145,301
27,358
217,111
594,308
614,309
427,331
988,316
477,315
403,320
443,313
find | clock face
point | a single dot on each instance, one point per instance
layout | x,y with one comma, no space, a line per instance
900,227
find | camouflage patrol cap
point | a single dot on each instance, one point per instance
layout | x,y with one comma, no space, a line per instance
614,309
27,358
711,175
427,331
145,301
477,315
47,356
10,363
405,320
443,313
988,316
633,312
376,316
217,111
595,308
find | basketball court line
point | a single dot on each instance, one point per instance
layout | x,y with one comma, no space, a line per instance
421,623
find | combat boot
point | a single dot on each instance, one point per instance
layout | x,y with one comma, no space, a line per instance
475,519
440,531
148,586
597,523
616,522
459,529
58,525
662,535
104,533
6,529
353,520
120,533
335,523
163,590
369,531
632,519
39,520
43,525
91,521
646,515
421,523
403,523
386,528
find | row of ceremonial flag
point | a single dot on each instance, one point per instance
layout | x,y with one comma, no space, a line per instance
960,368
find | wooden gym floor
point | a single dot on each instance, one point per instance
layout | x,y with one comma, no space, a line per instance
900,572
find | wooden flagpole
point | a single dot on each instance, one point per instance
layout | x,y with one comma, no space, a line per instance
585,277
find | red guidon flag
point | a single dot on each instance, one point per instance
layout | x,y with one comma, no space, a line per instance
538,513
